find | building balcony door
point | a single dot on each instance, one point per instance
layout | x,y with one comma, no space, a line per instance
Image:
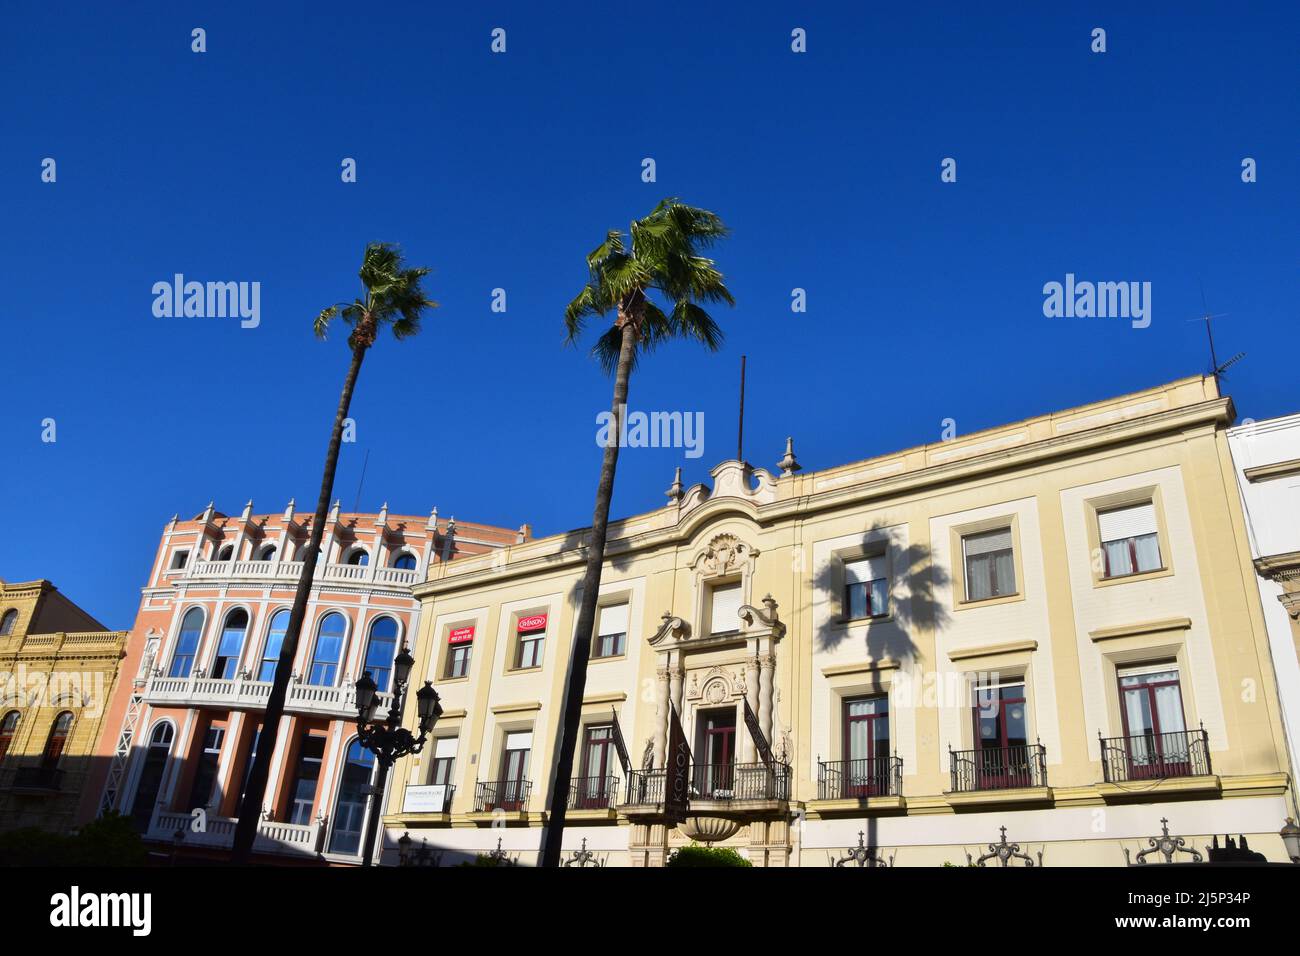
1002,758
715,763
866,770
1156,738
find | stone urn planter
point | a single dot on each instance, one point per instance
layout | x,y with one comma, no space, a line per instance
709,829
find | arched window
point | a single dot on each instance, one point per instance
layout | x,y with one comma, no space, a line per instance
380,651
274,641
226,553
358,557
8,622
187,644
267,553
231,645
151,774
350,808
329,650
57,740
7,728
405,561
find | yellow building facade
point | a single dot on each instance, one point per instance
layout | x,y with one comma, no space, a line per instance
1050,627
58,670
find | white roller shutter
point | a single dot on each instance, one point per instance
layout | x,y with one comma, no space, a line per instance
1131,522
864,570
726,609
613,620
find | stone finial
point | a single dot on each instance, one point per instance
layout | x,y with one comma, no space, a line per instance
789,464
675,490
525,532
433,520
382,519
288,511
451,525
334,512
248,510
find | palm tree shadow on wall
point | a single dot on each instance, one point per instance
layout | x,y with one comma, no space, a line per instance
913,582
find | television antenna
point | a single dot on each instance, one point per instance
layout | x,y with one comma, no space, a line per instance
1216,369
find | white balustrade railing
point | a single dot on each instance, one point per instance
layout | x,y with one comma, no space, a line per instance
334,701
292,570
272,836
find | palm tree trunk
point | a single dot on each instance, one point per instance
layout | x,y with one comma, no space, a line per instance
576,683
250,810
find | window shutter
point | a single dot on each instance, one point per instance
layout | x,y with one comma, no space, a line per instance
1131,522
726,609
977,544
864,570
446,748
519,740
613,620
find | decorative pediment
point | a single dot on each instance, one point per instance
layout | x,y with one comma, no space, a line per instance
731,479
673,627
716,686
766,618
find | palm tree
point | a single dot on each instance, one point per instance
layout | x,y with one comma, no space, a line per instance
664,258
393,297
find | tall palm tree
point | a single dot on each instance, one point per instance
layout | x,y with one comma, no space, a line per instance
392,297
663,260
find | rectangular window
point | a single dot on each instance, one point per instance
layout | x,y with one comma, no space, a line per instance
1129,542
514,770
205,774
611,633
529,638
1002,757
866,588
594,785
458,660
311,753
1156,740
725,615
178,559
990,565
444,761
866,747
248,763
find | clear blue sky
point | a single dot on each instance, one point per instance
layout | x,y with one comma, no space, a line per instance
924,298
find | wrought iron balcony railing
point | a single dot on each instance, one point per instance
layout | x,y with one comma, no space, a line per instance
740,781
999,768
511,795
645,788
857,779
593,793
1181,753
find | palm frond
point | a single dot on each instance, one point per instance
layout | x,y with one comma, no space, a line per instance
321,326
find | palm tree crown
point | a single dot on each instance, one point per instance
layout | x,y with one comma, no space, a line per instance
393,297
664,258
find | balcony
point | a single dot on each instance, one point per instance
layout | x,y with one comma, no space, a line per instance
508,795
285,839
733,782
645,788
41,781
1017,773
859,779
593,793
1181,759
290,571
240,693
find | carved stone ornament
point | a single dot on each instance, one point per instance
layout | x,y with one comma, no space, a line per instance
767,617
672,626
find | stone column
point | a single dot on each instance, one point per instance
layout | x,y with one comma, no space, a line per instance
748,751
661,713
767,669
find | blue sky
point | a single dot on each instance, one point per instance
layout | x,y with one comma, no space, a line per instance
924,299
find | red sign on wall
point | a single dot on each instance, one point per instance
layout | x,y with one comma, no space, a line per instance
534,623
461,635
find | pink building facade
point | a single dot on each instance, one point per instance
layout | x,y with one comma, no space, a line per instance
185,722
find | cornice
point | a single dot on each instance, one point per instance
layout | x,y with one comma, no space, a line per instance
1206,414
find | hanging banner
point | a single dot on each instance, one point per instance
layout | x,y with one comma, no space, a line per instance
755,731
677,783
621,746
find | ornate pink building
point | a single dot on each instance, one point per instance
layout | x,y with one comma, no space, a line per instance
186,719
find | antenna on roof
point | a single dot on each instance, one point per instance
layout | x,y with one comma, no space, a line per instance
1216,369
356,508
740,428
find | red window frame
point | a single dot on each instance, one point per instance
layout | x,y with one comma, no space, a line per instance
1159,767
875,782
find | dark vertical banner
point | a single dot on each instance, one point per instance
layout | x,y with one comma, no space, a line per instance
755,731
677,786
620,745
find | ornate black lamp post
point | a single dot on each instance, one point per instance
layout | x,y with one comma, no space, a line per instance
388,739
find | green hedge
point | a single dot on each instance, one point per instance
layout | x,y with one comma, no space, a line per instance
695,855
108,841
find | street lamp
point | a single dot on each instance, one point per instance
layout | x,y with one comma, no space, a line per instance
1290,835
387,739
